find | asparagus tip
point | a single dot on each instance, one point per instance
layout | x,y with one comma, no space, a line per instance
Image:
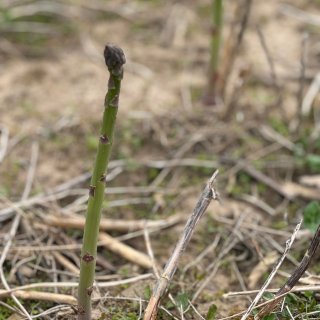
114,58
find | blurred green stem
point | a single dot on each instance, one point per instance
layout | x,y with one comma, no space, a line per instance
217,15
216,36
115,59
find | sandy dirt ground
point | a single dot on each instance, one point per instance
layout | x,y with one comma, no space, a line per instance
51,97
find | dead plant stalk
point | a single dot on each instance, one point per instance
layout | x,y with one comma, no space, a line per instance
206,196
295,276
273,273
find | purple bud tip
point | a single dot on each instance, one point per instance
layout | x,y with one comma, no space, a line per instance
114,58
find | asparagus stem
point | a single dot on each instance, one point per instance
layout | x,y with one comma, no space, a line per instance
216,35
217,8
114,58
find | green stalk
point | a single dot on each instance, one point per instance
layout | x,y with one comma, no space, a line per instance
217,16
114,58
216,36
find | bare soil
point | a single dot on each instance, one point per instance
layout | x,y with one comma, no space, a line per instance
52,90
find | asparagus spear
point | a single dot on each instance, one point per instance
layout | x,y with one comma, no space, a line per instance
115,59
217,22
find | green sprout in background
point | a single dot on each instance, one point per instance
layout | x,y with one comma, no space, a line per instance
211,93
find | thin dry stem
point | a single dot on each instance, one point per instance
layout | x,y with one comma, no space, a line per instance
112,224
295,276
273,273
108,284
125,251
42,296
150,252
206,196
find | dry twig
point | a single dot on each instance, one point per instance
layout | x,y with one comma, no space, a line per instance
43,296
273,273
108,284
125,251
295,276
113,224
206,196
150,252
315,288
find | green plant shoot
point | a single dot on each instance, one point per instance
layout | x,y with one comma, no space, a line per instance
115,59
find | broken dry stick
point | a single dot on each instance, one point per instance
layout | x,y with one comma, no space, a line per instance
125,251
66,263
114,224
115,59
206,196
294,278
42,296
273,272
